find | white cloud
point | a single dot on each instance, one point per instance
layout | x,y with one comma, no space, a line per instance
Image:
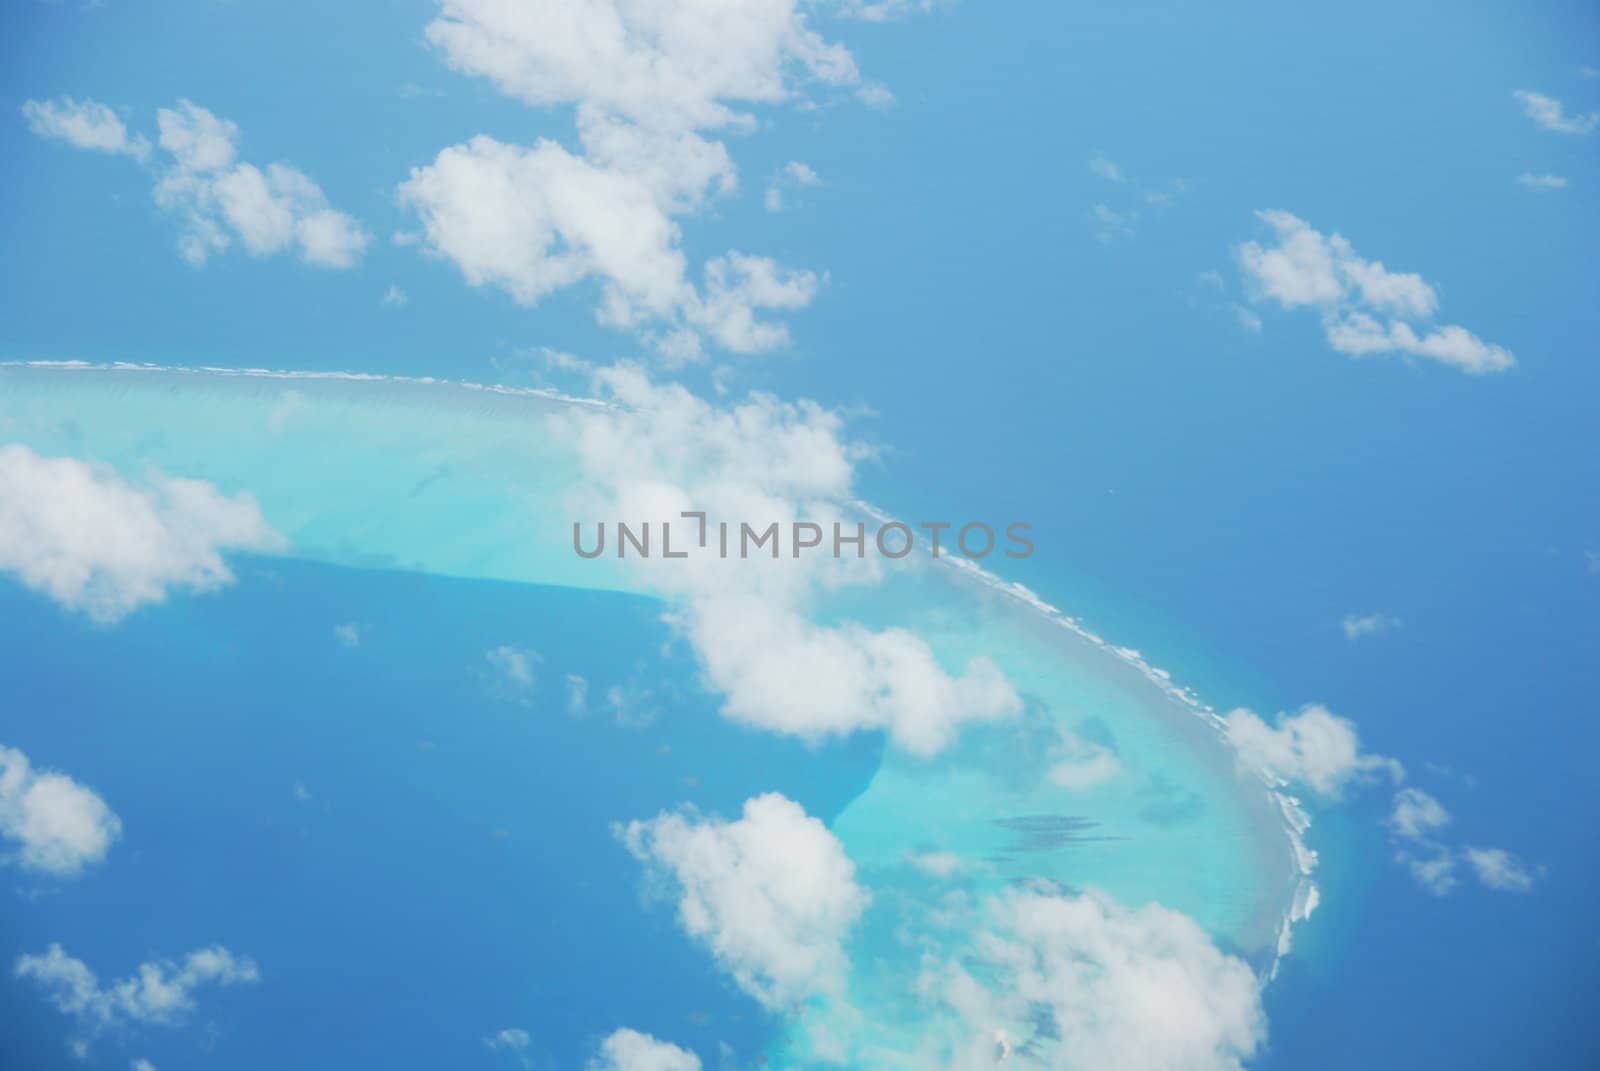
97,543
85,124
1500,870
1548,114
1416,820
658,63
1417,815
771,894
1358,625
1082,981
57,825
1542,183
1365,308
629,1050
1107,170
794,176
661,451
645,78
883,10
1313,747
1110,224
577,695
512,1039
157,993
511,673
143,1065
395,298
1432,866
779,671
1078,764
938,864
531,221
220,199
348,634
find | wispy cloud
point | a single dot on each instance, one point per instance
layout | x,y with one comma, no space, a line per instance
1548,114
84,124
1356,626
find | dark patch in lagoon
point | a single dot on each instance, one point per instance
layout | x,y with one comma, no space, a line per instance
1047,832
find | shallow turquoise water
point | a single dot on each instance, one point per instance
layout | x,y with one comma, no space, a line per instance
477,484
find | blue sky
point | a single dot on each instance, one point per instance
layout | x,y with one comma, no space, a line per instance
1019,256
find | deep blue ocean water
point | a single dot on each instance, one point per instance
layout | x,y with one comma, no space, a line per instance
450,870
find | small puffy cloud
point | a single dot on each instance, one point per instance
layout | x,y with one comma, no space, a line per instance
395,298
50,823
577,695
794,176
221,200
512,1039
1313,747
85,124
1107,170
98,544
142,1065
1417,815
1542,183
1356,626
348,634
1417,819
1432,866
1548,114
629,1050
1366,309
158,993
939,864
511,673
1082,981
771,894
1500,870
1077,764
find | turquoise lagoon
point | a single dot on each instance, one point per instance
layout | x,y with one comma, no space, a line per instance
468,489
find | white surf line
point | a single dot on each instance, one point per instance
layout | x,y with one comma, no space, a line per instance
1296,821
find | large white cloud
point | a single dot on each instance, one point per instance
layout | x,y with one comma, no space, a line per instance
1313,747
85,124
662,451
645,78
1081,981
629,1050
160,993
57,825
771,894
531,221
1366,309
102,545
